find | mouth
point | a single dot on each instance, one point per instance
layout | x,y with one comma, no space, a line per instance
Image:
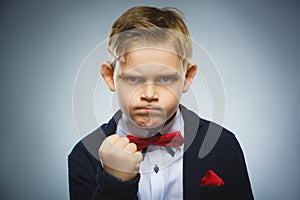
149,116
148,109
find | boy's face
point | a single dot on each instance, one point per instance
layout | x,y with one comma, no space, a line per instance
149,84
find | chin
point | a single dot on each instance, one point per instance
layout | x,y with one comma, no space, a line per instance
149,123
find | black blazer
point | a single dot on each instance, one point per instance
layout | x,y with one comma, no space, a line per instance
207,147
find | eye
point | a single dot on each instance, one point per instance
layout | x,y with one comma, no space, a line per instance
132,79
167,79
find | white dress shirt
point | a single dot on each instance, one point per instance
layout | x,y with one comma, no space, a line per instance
167,183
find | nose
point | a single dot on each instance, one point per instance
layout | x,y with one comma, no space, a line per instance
149,93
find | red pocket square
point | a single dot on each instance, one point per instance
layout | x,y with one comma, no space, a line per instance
211,179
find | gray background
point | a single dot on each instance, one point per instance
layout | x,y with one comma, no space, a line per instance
255,45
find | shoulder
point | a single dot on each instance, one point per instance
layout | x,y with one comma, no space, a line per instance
87,147
224,135
219,144
210,135
213,143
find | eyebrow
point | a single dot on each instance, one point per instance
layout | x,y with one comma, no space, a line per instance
137,74
131,73
169,74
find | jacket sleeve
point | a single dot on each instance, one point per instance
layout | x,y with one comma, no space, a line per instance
109,187
87,179
241,188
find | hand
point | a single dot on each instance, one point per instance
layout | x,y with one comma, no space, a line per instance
120,158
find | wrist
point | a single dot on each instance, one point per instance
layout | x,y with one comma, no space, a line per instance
119,175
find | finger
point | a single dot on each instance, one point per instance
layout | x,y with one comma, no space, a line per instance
108,143
138,155
121,142
112,138
130,148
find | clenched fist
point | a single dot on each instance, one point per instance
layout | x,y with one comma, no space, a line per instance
120,158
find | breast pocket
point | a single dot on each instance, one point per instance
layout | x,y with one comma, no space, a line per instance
214,192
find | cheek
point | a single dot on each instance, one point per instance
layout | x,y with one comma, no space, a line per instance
172,93
169,97
176,88
127,97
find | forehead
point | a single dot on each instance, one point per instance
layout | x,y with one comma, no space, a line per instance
144,59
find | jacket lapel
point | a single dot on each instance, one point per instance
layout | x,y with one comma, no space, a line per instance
193,138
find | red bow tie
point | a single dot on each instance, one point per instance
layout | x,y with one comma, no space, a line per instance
173,139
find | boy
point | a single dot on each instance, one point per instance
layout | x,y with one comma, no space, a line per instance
149,149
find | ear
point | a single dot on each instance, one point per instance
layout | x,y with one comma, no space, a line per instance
107,73
189,76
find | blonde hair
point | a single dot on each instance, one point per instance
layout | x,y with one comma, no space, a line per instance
149,25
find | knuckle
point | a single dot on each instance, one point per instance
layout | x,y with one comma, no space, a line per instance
111,138
125,140
132,146
139,156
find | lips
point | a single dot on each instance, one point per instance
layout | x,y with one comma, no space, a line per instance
148,116
147,109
